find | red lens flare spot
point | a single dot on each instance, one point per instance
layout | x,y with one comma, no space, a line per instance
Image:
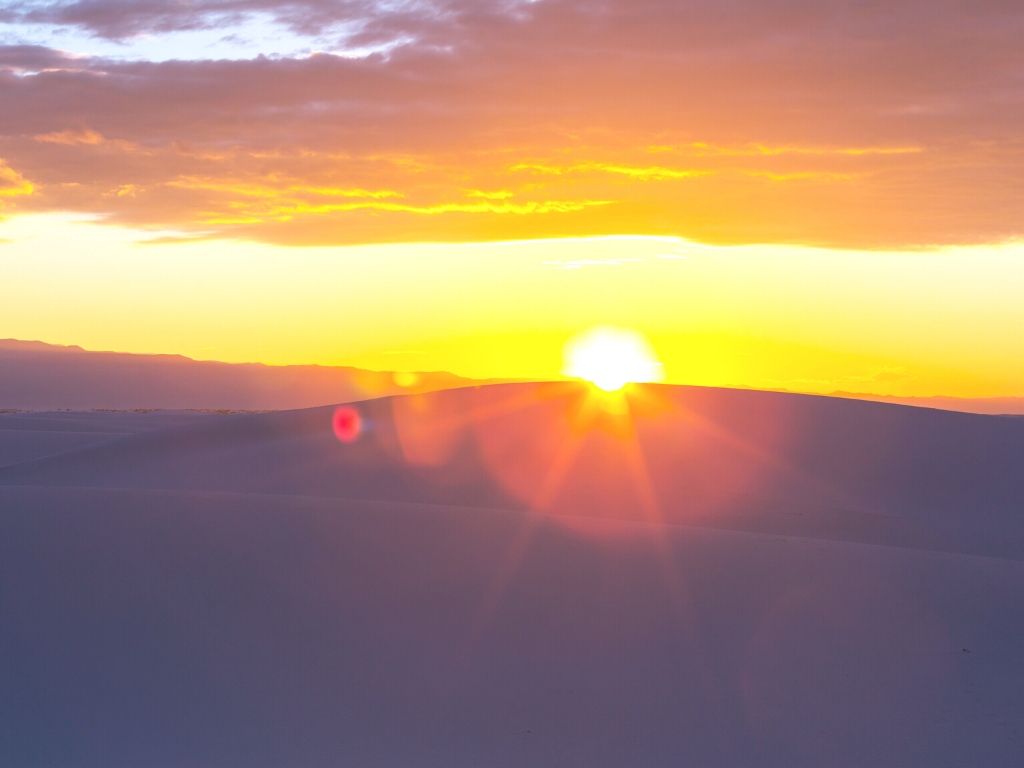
347,424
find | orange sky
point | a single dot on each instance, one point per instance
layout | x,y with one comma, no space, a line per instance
817,195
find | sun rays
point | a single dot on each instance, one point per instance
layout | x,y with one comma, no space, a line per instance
611,358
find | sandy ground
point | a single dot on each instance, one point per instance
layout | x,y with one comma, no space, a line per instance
506,576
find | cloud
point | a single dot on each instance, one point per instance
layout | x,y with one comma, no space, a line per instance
71,138
285,212
639,173
497,194
277,189
804,175
815,122
362,21
20,59
12,183
704,149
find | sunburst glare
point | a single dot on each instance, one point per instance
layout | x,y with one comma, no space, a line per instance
611,358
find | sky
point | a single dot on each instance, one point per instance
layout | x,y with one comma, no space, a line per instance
802,194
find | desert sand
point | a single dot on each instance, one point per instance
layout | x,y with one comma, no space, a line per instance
515,575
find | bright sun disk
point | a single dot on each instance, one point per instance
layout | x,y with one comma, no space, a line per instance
610,358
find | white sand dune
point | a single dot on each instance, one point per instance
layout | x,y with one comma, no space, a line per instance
691,455
161,628
33,435
518,575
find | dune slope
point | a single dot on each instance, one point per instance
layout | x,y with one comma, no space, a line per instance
32,435
168,628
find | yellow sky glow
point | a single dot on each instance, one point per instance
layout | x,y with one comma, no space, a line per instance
936,321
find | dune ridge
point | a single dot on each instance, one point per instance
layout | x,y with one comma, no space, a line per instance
41,376
731,458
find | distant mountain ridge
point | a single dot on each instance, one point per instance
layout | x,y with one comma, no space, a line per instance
36,376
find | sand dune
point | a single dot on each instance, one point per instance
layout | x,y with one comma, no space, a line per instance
245,630
520,575
681,454
32,435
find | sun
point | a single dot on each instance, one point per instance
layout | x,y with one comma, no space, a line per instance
611,358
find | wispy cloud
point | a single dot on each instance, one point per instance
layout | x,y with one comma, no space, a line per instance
706,149
637,173
12,183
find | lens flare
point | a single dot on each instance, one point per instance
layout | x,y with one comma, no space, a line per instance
406,379
347,424
611,358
